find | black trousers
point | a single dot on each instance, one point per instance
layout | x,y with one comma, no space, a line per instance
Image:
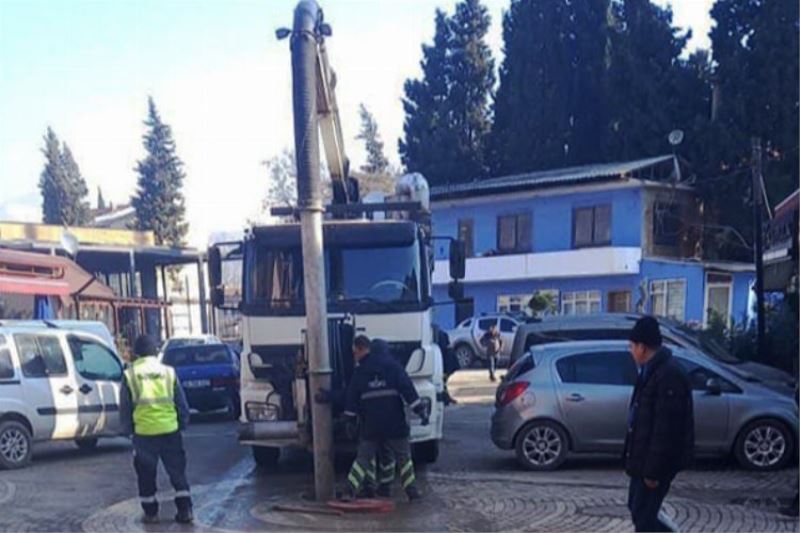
147,451
645,504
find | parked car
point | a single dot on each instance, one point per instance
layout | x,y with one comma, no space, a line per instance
55,384
610,326
209,374
572,398
465,337
94,327
189,340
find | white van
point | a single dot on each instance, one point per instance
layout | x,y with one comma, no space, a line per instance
55,384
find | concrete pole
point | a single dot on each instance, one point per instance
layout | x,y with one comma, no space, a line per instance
307,16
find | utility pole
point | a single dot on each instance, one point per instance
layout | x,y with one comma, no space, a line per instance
306,37
758,209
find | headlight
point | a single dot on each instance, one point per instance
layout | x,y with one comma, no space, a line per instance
261,412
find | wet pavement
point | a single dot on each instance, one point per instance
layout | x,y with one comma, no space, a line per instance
473,487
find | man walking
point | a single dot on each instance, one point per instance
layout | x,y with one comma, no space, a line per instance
492,343
660,439
376,393
154,410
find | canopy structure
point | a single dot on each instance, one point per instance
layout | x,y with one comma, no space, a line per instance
48,275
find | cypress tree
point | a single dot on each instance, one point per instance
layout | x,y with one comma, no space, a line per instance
62,186
376,160
77,210
447,110
101,202
159,200
549,110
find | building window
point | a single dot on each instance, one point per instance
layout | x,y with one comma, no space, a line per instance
514,233
669,298
466,232
719,289
666,224
507,303
591,226
580,302
619,301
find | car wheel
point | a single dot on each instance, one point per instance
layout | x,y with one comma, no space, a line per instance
764,445
465,356
266,457
541,445
16,445
426,452
86,444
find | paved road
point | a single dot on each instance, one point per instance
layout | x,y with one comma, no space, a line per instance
473,487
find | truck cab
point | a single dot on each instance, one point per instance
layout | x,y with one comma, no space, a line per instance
378,283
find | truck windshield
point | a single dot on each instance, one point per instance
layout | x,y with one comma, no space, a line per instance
355,275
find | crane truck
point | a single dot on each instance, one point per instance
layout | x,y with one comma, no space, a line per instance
378,264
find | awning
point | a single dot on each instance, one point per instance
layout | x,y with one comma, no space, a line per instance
33,286
48,275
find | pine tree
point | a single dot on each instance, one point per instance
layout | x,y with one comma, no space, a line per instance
78,211
376,160
159,201
447,110
550,102
62,186
101,202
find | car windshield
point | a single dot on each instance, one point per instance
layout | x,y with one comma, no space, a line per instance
705,342
276,278
177,343
208,354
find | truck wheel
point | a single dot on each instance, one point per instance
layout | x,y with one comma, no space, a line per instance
426,452
764,445
465,356
86,444
16,446
266,457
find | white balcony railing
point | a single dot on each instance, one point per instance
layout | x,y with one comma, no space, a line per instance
584,262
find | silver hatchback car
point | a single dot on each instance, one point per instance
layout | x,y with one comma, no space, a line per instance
572,398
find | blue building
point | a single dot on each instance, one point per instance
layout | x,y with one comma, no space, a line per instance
619,237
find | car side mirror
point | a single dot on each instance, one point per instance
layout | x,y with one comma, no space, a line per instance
713,387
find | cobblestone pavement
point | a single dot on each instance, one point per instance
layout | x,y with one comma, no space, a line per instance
473,487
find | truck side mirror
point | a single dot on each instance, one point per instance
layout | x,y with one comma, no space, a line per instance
215,276
458,259
456,291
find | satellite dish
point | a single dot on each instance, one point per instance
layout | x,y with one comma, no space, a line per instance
69,243
675,137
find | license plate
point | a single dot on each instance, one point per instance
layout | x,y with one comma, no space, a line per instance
196,383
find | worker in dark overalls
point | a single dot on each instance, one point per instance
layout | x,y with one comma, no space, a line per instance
376,394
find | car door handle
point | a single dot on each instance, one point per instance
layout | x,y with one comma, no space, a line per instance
86,389
575,397
66,389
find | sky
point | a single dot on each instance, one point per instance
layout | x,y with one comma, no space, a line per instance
220,79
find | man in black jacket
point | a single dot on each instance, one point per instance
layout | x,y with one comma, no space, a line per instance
377,392
660,439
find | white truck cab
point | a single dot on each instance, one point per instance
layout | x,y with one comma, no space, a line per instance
55,384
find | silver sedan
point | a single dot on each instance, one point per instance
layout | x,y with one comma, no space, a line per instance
572,398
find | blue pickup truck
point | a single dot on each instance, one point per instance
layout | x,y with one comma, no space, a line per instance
209,374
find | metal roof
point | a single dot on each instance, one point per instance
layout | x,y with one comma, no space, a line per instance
545,178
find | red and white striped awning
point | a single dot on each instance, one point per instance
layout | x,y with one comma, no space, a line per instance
34,286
